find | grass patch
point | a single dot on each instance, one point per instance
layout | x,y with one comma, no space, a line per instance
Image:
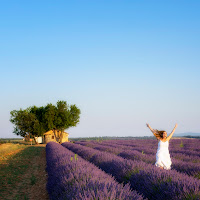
15,141
21,197
33,179
8,149
12,171
181,145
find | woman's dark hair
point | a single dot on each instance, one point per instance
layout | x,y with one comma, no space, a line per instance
159,134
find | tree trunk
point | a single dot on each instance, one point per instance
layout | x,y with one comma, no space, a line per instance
54,134
27,137
35,140
61,136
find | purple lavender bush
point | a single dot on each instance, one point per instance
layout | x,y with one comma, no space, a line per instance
147,179
180,162
189,168
73,178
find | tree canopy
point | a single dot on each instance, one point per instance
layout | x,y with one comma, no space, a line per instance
38,120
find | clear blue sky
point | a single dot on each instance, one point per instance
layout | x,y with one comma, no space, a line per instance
123,63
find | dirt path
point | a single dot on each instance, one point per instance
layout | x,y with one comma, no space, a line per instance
32,183
38,190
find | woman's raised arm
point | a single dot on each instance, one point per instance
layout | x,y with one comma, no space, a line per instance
152,130
170,136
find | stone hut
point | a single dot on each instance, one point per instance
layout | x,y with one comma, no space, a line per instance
55,136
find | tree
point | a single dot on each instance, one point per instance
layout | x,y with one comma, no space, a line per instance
49,116
26,123
66,116
35,121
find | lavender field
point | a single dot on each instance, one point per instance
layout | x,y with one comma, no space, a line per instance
122,169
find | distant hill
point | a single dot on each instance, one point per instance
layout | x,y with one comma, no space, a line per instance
187,134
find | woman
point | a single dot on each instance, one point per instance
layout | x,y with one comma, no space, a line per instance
163,159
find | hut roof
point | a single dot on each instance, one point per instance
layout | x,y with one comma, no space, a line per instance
48,133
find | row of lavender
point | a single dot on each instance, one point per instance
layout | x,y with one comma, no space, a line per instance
179,152
147,179
178,148
189,168
186,146
71,177
150,147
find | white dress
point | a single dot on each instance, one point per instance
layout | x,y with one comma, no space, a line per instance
162,156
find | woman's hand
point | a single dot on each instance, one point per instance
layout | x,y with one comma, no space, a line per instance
169,137
148,125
